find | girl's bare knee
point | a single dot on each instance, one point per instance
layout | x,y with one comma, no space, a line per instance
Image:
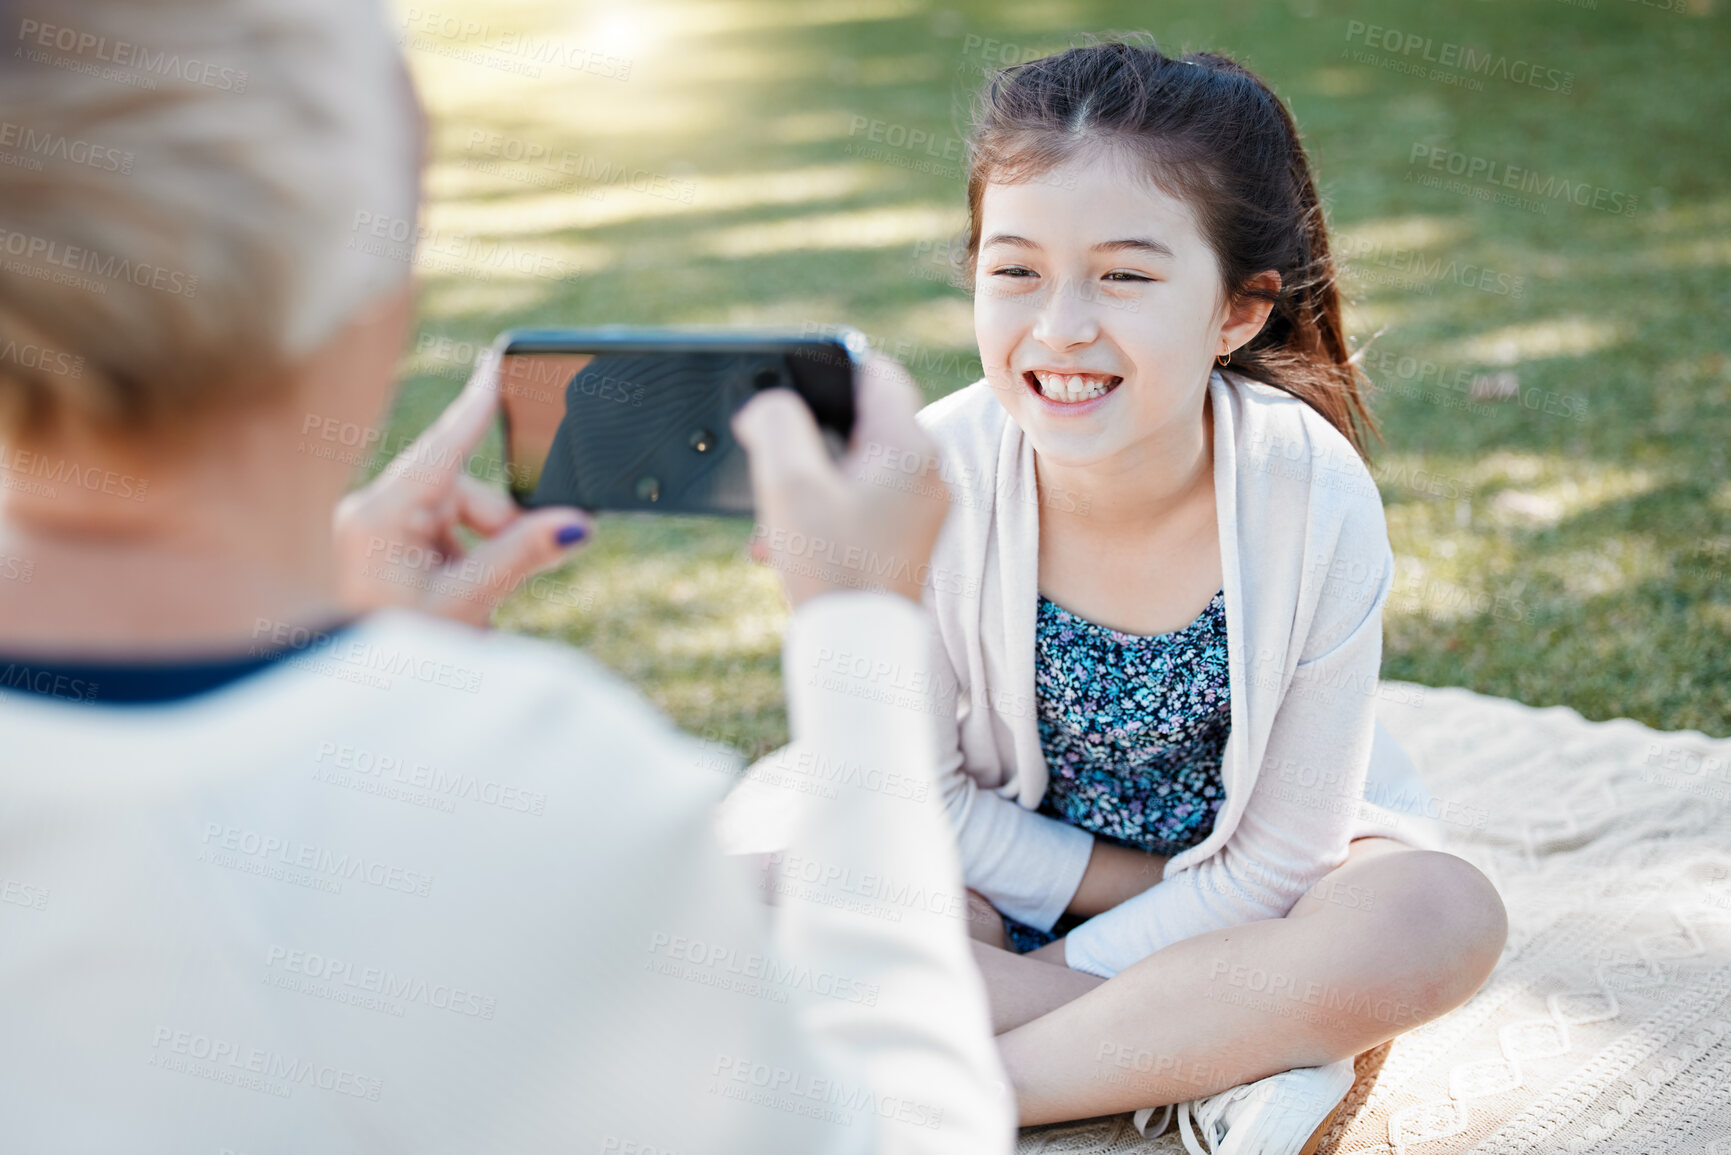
1451,921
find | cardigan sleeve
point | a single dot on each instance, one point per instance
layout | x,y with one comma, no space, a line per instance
1028,865
1303,803
926,1042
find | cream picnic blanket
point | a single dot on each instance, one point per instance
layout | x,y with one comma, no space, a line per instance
1606,1027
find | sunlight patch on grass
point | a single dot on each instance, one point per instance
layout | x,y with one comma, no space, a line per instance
1367,313
1607,567
1519,506
1451,571
461,93
629,32
1461,579
878,228
1511,466
743,190
480,232
1340,82
1573,336
1415,232
1419,595
708,17
1554,555
453,296
592,193
1701,253
565,209
1705,214
809,126
1585,486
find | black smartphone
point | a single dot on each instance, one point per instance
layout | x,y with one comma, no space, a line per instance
639,419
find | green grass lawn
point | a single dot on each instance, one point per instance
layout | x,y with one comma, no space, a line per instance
1554,390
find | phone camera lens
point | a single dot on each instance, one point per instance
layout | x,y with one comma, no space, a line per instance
648,489
766,379
702,440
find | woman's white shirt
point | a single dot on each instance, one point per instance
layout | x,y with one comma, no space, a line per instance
427,889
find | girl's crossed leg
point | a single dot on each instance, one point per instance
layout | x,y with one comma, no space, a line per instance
1391,939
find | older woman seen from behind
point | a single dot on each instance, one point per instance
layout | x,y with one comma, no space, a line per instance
297,871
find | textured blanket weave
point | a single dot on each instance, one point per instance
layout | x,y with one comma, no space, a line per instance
1606,1027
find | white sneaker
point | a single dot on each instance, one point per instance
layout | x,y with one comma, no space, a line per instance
1272,1116
1140,1119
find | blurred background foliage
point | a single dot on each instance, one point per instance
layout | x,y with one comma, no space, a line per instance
1553,386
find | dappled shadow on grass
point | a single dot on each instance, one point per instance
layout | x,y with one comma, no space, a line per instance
1619,603
1641,652
782,104
1621,611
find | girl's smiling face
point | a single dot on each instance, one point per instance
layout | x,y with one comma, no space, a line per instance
1099,308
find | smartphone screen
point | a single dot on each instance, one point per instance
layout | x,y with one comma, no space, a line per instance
641,421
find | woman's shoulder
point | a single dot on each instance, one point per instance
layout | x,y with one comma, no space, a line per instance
455,675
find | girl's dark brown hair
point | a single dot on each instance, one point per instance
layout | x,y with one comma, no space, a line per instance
1216,137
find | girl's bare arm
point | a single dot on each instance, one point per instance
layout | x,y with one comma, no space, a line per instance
1021,989
1115,873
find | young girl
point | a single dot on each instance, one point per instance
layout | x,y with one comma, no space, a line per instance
1165,570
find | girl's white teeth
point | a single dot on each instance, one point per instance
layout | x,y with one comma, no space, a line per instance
1071,386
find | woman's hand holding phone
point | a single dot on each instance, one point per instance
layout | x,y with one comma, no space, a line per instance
866,522
396,537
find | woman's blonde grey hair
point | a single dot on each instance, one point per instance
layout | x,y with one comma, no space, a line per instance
194,196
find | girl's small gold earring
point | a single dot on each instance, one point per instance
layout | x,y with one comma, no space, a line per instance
1223,359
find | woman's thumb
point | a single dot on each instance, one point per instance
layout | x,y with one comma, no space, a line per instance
476,585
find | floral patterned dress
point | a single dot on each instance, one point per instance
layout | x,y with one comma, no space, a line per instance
1133,727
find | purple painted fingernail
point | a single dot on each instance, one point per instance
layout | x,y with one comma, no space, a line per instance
570,534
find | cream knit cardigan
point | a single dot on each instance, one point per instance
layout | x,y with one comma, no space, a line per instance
1307,565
